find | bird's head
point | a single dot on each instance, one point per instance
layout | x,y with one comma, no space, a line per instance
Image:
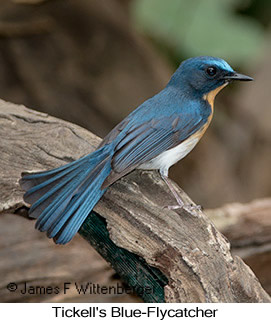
205,74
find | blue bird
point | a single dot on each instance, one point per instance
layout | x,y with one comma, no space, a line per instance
156,135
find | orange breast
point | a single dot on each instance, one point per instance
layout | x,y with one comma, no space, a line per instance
210,98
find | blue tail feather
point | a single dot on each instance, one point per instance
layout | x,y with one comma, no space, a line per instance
85,205
46,195
63,197
80,195
48,215
47,180
29,180
49,194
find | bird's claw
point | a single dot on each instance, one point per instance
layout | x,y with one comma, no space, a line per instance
192,207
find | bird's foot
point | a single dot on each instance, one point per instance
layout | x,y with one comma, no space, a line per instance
192,207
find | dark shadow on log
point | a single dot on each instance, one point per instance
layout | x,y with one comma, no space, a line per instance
144,280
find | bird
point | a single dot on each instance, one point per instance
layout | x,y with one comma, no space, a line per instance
157,134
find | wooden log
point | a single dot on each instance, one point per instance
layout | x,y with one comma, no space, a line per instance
248,228
179,254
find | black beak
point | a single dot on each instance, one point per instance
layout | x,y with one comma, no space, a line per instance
238,77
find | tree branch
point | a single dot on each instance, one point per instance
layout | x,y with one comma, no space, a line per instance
248,227
181,256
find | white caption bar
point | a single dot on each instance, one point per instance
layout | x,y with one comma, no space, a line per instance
104,312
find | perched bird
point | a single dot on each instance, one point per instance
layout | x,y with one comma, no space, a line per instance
156,135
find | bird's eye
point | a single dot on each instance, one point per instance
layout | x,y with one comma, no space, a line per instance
211,71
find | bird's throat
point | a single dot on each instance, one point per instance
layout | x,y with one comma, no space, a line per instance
210,97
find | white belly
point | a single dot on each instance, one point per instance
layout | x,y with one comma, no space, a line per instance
170,157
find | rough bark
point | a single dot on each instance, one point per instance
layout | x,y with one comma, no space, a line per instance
185,247
248,228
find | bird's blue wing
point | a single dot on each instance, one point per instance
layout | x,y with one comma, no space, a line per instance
148,140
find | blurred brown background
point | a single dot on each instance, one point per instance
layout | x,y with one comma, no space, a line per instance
91,62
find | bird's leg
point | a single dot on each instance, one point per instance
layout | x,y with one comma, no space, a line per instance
180,202
174,193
